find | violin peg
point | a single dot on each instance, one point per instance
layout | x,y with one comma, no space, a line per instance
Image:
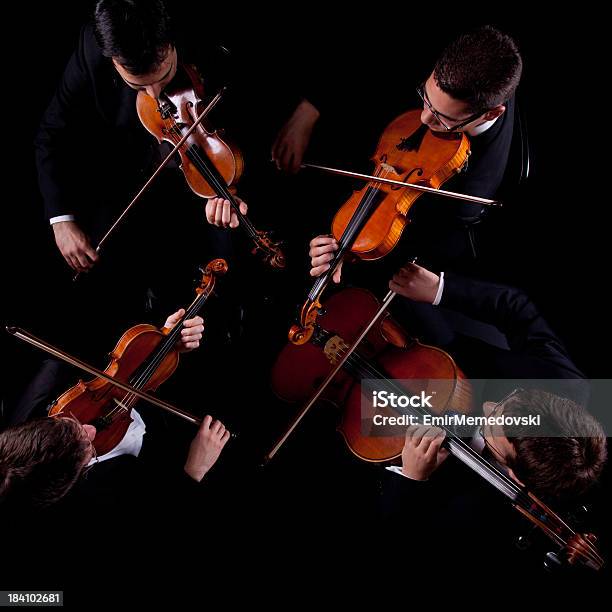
523,542
552,562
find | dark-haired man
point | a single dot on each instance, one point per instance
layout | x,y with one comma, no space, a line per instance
564,464
446,499
571,438
454,519
93,155
471,89
443,501
42,460
115,515
131,46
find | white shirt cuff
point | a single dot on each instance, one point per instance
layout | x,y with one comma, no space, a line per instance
440,290
61,218
396,469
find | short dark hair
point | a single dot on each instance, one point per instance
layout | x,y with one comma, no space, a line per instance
482,68
40,461
137,33
566,464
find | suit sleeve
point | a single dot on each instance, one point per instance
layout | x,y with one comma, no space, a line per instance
513,313
60,134
408,500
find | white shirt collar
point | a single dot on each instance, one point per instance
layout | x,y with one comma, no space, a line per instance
483,127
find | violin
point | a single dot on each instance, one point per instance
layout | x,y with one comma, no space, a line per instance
211,164
355,339
410,159
144,358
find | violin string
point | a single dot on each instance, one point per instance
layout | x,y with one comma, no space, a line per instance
174,130
221,190
167,345
505,481
357,219
347,235
130,399
508,484
548,518
363,210
366,369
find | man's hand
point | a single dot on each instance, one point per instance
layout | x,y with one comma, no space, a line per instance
415,283
322,251
422,452
206,447
293,139
74,246
192,331
219,212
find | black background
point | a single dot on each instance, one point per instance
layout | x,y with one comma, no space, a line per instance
553,242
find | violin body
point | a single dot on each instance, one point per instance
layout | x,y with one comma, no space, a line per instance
211,165
407,151
370,224
144,358
165,120
300,369
96,401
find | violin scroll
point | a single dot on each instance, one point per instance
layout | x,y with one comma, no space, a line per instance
301,333
216,267
581,548
270,250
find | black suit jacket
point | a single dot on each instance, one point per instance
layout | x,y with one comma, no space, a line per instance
535,351
90,146
121,515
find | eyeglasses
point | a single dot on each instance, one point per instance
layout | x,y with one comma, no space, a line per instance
423,95
488,444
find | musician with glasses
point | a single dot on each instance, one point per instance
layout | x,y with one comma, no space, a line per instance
471,89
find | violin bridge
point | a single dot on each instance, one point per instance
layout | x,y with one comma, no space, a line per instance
121,405
335,348
388,168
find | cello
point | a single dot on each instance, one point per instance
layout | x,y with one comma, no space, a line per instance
384,352
354,340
